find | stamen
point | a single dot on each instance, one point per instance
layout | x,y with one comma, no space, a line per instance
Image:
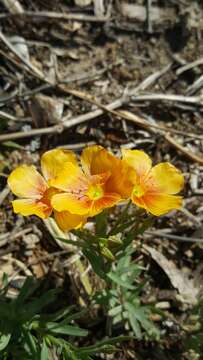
138,191
95,192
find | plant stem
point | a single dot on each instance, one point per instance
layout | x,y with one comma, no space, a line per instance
120,219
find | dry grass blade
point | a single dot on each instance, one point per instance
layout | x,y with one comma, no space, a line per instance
13,6
30,67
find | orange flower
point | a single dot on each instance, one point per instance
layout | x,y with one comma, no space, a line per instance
101,183
35,191
97,160
154,187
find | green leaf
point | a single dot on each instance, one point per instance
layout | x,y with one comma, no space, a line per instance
124,258
27,289
96,261
42,323
71,242
194,341
101,346
62,313
127,240
75,316
119,281
133,320
12,144
115,311
124,226
36,305
29,342
141,315
117,319
44,352
146,225
103,297
101,224
85,235
4,340
66,329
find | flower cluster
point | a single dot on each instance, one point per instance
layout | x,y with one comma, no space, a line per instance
73,192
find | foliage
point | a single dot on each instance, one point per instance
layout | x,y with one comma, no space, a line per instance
122,298
27,332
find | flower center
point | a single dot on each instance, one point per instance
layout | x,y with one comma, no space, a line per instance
48,195
138,191
95,192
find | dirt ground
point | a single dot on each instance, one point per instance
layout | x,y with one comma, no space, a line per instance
66,72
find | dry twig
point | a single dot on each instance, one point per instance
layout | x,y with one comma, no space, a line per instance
183,150
102,108
165,235
189,66
32,16
194,100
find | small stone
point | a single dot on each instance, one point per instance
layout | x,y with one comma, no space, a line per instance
30,240
83,2
189,253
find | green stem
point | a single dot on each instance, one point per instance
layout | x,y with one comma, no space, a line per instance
121,218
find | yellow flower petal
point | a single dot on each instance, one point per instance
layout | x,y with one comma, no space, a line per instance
139,160
67,221
167,178
74,204
98,160
25,181
70,179
87,158
28,207
53,161
158,204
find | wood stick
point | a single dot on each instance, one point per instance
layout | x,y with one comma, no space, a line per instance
173,237
31,16
34,132
183,150
189,66
196,100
